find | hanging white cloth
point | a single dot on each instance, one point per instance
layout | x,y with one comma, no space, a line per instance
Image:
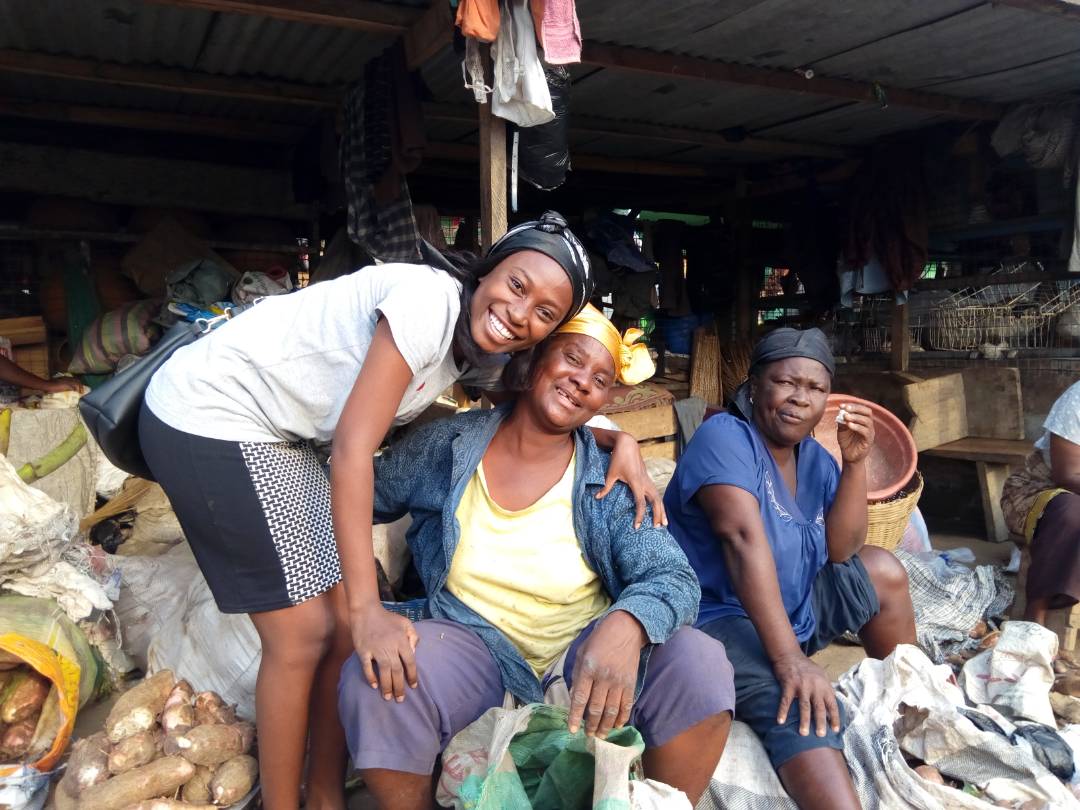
521,92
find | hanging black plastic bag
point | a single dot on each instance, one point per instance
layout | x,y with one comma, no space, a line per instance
544,150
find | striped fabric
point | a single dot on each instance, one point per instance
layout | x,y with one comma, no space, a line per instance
126,330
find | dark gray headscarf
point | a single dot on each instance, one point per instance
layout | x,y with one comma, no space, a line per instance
551,236
782,344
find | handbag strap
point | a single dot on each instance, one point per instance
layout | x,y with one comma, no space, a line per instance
204,326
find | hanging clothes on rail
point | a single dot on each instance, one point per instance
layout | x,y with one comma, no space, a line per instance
478,19
382,140
558,30
521,89
887,216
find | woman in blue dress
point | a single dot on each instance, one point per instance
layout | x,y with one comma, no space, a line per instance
776,531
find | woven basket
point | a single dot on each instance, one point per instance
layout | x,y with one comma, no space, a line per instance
889,519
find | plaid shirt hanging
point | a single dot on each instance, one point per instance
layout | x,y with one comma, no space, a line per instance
386,231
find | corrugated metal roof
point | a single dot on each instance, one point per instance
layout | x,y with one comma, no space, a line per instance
986,38
133,32
769,33
963,48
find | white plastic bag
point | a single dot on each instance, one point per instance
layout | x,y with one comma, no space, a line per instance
218,651
1017,673
25,789
152,589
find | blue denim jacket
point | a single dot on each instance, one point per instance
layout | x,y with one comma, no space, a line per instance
643,570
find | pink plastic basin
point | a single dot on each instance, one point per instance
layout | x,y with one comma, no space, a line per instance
893,457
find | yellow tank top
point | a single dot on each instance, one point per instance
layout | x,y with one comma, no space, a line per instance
524,571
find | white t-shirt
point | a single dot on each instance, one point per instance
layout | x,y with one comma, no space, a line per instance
283,370
1063,420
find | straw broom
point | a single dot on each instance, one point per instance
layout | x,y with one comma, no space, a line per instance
123,501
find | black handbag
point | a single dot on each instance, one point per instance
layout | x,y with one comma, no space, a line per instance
111,411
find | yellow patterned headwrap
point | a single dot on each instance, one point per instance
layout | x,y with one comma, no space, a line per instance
633,363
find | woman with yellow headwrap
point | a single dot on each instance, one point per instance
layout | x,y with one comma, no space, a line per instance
531,579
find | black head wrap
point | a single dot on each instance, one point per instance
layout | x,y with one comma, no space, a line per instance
782,344
551,236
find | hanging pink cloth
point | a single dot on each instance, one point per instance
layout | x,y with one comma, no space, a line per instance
558,30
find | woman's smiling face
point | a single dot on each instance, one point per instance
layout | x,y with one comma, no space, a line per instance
520,302
570,383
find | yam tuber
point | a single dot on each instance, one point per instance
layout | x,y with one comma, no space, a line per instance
133,751
930,774
210,709
138,708
169,804
1065,707
179,713
162,777
88,764
1068,685
62,800
16,739
233,780
24,695
197,789
213,744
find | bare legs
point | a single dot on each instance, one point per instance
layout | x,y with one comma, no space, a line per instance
819,778
895,623
397,790
688,761
297,691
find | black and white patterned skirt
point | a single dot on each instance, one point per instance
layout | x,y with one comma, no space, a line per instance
256,514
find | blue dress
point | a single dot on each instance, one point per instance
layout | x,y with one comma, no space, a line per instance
728,450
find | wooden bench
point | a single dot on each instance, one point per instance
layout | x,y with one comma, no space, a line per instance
994,460
647,413
973,415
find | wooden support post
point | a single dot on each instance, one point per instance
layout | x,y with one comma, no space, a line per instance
901,338
315,246
746,314
492,171
991,481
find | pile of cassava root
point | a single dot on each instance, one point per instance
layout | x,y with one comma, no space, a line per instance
164,746
22,698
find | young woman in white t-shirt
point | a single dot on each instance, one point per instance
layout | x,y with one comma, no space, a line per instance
227,428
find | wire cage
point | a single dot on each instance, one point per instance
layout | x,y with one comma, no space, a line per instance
866,328
1003,316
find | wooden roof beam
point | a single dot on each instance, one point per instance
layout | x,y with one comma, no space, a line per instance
608,128
468,153
178,81
642,60
230,128
358,15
